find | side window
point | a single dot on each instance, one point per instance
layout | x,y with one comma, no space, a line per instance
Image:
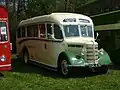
23,31
35,30
42,30
57,32
18,33
29,31
49,31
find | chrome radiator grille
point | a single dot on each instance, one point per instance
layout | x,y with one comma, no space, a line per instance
92,53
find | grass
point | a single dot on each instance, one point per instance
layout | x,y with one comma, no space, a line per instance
30,77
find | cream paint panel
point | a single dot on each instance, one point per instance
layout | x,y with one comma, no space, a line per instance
18,46
32,48
42,52
36,50
75,50
52,52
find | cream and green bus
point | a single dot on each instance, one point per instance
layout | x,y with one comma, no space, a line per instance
61,41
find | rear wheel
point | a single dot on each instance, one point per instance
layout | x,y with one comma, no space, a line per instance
63,67
25,56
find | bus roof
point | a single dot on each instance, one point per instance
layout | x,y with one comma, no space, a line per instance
54,17
3,12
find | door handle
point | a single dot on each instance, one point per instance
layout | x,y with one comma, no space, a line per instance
45,46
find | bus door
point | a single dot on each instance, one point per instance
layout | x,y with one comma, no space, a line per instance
52,48
5,47
48,45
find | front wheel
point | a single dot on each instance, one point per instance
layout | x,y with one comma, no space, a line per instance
101,70
63,67
104,69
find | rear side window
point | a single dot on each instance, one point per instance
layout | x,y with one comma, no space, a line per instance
29,31
42,31
35,30
3,31
18,33
23,31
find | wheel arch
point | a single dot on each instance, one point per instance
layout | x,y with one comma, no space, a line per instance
62,55
24,49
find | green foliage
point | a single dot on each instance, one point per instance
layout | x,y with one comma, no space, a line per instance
39,7
23,9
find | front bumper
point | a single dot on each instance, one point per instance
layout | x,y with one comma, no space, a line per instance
86,65
5,67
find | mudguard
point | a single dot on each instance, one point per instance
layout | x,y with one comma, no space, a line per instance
104,58
75,60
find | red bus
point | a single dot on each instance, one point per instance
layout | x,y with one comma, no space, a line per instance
5,45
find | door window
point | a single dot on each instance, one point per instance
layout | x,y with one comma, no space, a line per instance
57,32
49,31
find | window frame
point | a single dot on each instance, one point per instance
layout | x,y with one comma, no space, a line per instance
22,32
61,31
45,35
19,30
35,26
7,32
69,28
52,32
31,28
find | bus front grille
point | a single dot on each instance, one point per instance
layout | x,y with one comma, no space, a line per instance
92,53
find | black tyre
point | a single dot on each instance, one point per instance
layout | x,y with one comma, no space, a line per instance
63,67
101,70
25,56
104,69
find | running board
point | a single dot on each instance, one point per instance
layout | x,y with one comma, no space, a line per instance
42,65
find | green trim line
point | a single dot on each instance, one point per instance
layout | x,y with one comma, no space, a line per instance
105,13
115,26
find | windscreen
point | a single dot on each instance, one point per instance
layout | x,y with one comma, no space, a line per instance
86,31
71,30
78,30
3,31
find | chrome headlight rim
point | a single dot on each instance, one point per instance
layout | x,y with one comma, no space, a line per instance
83,52
3,58
101,51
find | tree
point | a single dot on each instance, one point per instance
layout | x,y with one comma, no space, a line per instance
23,9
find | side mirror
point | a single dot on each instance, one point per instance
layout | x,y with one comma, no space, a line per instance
97,36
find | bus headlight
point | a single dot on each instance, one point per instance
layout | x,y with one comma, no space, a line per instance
101,51
3,58
83,52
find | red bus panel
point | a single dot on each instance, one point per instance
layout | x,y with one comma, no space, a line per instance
5,45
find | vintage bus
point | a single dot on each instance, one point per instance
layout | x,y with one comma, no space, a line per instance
60,41
5,45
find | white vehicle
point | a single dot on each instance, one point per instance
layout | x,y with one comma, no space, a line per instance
60,41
